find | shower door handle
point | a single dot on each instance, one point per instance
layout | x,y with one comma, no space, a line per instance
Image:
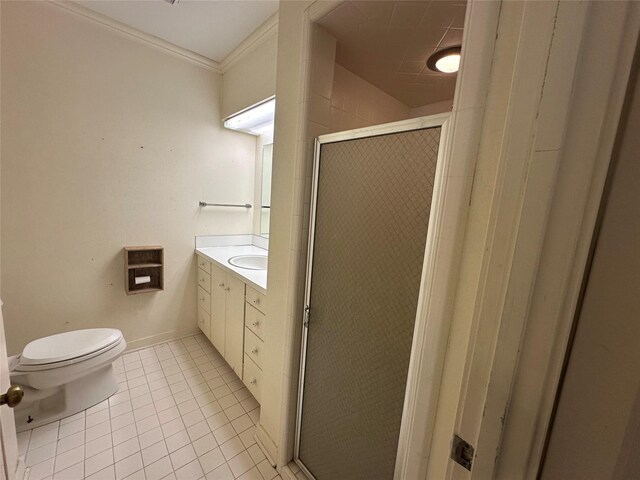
13,396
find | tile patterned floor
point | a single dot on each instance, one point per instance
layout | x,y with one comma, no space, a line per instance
180,413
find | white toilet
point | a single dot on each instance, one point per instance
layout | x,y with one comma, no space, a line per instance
64,374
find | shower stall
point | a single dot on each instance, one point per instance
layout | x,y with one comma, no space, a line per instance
371,221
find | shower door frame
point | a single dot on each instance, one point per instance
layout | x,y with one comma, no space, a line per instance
432,315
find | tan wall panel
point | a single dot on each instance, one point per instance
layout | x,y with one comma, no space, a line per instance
107,142
595,432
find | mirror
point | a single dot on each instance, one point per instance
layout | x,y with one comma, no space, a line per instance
258,120
265,205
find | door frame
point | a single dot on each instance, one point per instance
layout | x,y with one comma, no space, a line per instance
590,142
534,208
12,465
431,327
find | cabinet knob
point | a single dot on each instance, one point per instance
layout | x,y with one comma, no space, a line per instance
253,381
228,289
221,284
255,324
256,301
254,351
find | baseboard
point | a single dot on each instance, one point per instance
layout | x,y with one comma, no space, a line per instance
160,338
287,474
22,471
268,447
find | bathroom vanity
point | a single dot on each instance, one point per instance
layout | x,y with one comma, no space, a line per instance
232,269
232,303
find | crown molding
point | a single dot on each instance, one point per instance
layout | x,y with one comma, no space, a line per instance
254,40
139,35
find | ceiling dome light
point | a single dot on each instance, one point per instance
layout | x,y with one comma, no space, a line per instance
445,61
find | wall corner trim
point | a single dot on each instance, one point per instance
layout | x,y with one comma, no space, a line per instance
138,35
260,35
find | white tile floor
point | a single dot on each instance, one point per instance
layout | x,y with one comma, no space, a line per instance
180,413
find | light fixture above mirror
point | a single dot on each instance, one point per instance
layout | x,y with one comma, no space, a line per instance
256,120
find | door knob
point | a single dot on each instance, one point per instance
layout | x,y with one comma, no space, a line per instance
13,396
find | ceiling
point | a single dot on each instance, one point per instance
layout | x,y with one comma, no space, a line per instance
210,28
388,42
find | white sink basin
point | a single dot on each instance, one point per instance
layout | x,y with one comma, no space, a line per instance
250,262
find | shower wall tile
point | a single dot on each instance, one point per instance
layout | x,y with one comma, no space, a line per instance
356,103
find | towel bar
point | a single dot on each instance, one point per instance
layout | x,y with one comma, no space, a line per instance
205,204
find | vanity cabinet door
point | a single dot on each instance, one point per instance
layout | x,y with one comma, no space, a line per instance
204,280
252,378
235,324
204,322
253,347
218,308
204,264
257,300
204,299
254,320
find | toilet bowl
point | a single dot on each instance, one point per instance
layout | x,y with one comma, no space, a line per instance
64,374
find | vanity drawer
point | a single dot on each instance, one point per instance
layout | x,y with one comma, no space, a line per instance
204,264
252,377
204,321
257,299
254,321
204,299
204,280
253,347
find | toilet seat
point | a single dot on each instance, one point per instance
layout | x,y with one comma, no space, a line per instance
67,348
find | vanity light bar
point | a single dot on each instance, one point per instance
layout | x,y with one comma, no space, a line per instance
257,120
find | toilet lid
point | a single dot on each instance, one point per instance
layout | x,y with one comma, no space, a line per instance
68,345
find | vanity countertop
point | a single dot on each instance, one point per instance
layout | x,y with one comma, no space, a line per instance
221,255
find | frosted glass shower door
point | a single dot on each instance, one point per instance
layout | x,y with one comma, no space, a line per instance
373,199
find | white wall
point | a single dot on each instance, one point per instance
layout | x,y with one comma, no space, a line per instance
322,64
356,103
252,78
341,100
287,191
352,102
107,142
432,109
